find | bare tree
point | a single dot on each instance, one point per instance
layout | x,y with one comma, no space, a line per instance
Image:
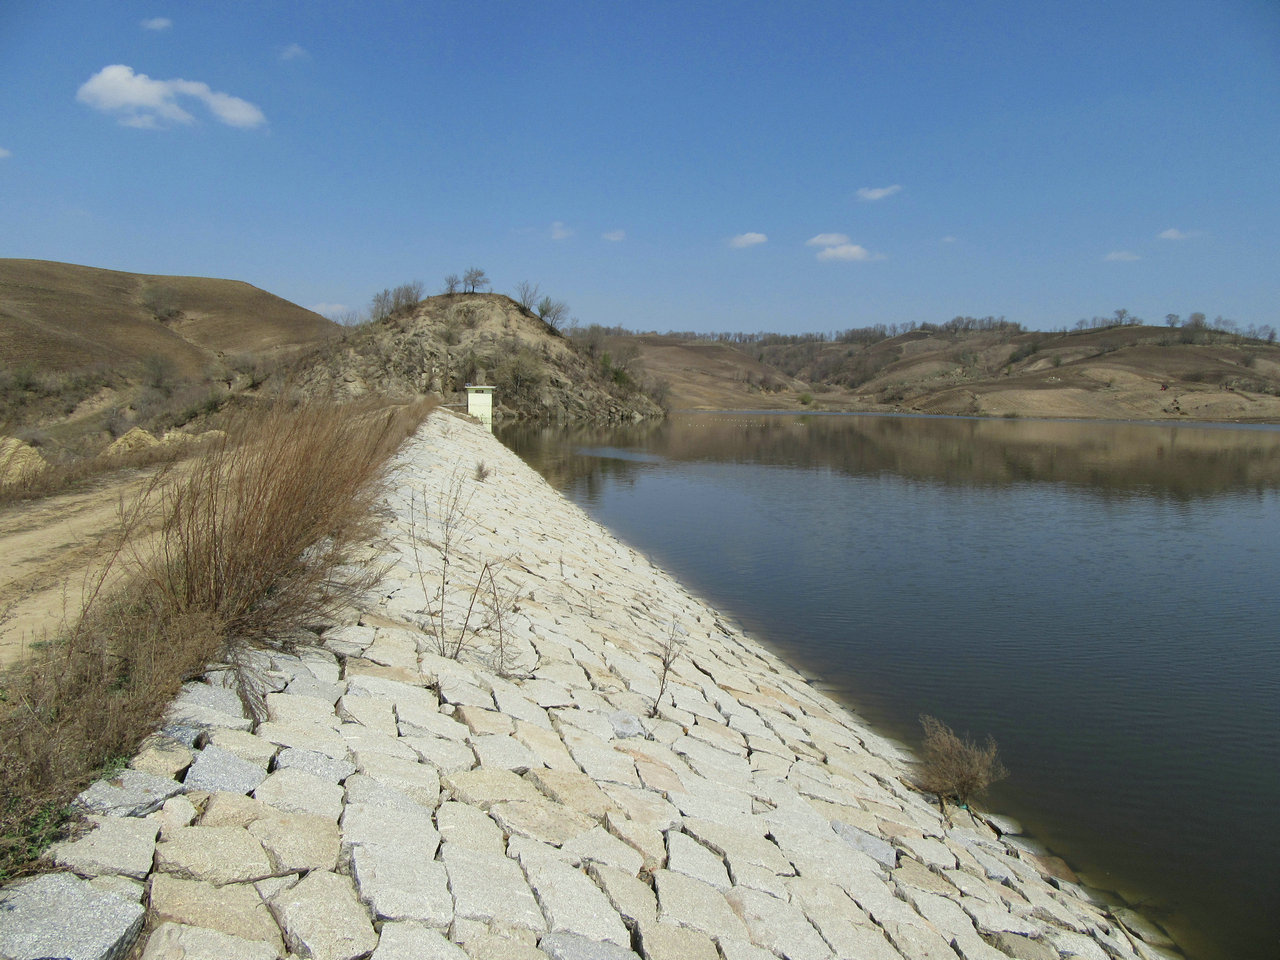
380,306
406,295
527,294
474,279
553,312
451,283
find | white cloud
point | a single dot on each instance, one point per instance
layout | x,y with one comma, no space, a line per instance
878,193
560,231
330,310
140,101
747,240
156,23
294,51
827,240
1122,256
848,251
1175,234
614,236
5,153
948,239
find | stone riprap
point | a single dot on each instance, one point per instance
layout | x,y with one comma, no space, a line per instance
522,799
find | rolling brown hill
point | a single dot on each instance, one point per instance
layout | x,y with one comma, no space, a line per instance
63,317
86,353
1122,372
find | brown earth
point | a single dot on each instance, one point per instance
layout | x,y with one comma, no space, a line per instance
53,552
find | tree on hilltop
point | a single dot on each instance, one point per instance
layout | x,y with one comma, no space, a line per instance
474,279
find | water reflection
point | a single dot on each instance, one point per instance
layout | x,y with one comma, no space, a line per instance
1176,461
1099,596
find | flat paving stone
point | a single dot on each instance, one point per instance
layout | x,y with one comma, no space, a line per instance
571,946
686,855
571,902
398,884
541,820
114,845
482,788
778,925
666,941
469,827
177,941
315,763
322,918
491,888
412,940
688,902
130,793
59,915
215,769
634,899
297,841
216,854
294,791
234,909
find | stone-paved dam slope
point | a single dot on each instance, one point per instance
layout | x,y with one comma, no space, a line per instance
519,801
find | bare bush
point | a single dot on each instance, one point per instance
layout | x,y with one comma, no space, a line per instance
451,283
474,280
254,540
668,653
462,617
955,768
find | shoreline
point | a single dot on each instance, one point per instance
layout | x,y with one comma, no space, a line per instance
394,797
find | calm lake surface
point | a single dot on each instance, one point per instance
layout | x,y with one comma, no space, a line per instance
1102,598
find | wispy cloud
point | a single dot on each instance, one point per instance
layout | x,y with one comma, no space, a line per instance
140,101
848,251
1175,234
948,239
1121,256
5,153
560,231
878,193
156,23
294,51
827,240
747,240
614,236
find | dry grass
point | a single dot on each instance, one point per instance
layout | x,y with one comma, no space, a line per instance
955,768
256,540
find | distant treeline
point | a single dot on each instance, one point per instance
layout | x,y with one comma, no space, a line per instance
1196,322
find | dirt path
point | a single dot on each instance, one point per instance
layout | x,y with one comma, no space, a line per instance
51,552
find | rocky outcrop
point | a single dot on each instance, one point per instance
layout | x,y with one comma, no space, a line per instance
547,793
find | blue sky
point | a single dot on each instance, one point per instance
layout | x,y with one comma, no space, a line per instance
692,166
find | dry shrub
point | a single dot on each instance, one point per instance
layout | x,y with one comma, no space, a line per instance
254,541
954,768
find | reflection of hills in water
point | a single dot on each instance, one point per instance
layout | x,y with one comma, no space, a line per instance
1177,461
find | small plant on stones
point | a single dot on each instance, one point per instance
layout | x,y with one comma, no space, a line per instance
956,768
482,471
461,615
668,653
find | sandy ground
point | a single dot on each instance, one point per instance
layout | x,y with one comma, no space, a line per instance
51,554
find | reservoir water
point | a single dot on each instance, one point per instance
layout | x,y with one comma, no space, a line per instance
1102,598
